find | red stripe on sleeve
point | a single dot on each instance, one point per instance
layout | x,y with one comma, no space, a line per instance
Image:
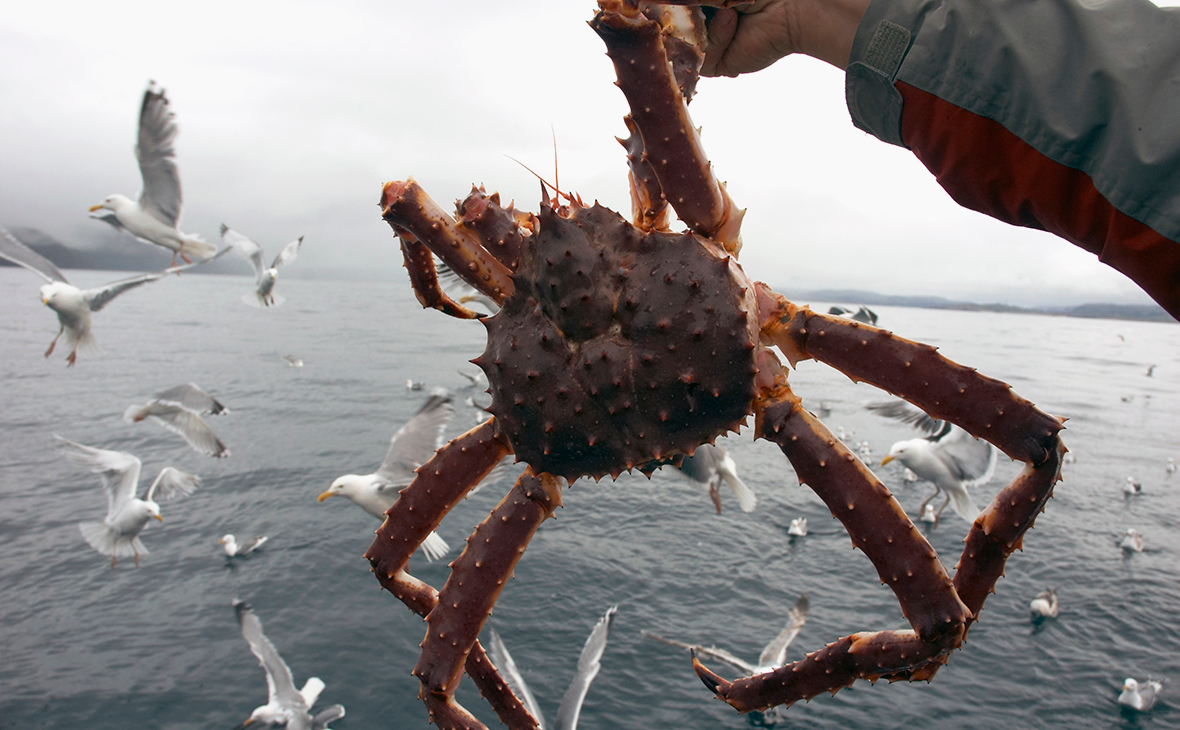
986,168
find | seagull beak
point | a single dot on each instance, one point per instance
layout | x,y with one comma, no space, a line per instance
886,460
244,724
325,495
95,207
158,517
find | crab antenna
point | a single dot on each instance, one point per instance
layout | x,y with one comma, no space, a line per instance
557,191
556,180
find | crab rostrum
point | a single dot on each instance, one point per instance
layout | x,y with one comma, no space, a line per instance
621,344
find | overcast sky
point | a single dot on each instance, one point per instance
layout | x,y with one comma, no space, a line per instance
292,116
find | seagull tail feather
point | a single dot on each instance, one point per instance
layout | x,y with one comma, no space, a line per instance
745,496
435,547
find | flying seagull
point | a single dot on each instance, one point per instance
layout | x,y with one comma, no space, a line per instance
410,447
589,662
155,217
71,304
179,410
947,456
711,464
774,654
265,276
127,515
285,706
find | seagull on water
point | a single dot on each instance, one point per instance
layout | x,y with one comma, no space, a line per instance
1132,488
118,534
948,456
1044,605
264,275
1141,697
711,464
285,706
179,410
233,550
798,527
71,304
410,447
589,662
155,217
1132,541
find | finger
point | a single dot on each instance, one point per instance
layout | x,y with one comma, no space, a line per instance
721,31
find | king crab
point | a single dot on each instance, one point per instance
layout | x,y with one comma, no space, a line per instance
622,345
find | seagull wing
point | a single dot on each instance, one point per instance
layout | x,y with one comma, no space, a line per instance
900,410
119,471
327,715
280,687
588,665
416,441
775,653
245,248
171,484
157,159
288,254
971,460
503,661
18,253
191,396
99,297
188,425
719,654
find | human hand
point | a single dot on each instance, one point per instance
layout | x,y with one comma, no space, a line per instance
751,37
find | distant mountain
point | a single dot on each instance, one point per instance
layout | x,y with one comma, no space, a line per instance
1139,312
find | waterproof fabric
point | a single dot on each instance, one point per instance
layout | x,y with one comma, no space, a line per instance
1053,114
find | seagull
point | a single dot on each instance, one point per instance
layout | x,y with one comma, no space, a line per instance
798,527
415,384
285,705
864,314
154,219
459,290
1132,541
179,410
928,516
774,654
292,361
571,702
1170,469
72,305
1044,605
1132,488
1140,697
948,456
233,550
711,464
410,447
127,515
264,276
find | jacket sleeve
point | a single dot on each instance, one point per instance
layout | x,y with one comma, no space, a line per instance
1061,115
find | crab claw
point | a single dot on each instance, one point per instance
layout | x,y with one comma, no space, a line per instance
712,680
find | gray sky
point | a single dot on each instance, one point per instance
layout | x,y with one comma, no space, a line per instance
292,116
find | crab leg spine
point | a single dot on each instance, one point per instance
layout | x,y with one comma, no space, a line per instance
406,207
875,521
477,577
983,406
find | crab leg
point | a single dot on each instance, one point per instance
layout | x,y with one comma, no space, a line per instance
985,407
447,477
424,279
406,207
660,112
477,577
499,229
